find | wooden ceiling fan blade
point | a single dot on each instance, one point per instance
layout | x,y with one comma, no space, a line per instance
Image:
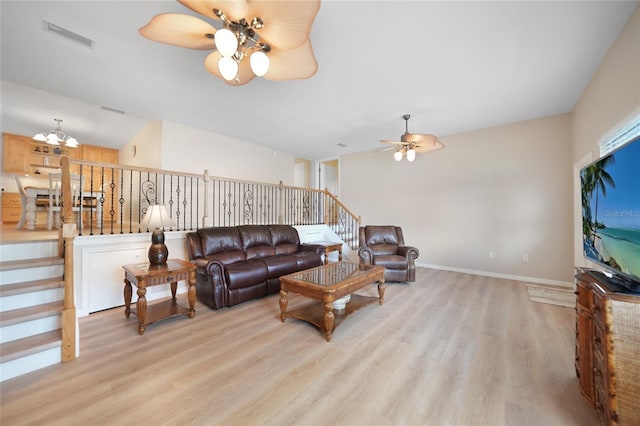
287,24
420,138
245,74
393,142
234,10
428,148
179,30
292,64
389,148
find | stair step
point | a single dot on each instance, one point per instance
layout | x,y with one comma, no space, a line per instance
30,263
31,286
30,345
16,316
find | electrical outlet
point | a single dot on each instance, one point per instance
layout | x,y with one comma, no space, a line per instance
525,257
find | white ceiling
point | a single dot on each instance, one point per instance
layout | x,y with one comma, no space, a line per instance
454,66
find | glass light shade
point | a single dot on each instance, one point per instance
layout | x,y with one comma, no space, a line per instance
411,154
397,155
259,63
226,43
71,142
40,137
52,139
228,68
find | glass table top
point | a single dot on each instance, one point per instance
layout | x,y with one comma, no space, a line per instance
331,273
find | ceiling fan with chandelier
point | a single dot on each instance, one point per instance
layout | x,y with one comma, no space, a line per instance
268,39
411,143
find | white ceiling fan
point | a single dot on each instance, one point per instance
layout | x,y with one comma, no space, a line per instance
411,143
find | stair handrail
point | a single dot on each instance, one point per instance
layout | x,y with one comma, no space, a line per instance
67,233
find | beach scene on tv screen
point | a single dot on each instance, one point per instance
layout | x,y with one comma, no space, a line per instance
611,210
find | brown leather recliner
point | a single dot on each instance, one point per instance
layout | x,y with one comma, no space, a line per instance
384,246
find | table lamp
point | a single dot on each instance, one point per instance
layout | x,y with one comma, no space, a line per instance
157,218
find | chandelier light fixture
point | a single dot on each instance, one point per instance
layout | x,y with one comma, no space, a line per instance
56,137
267,39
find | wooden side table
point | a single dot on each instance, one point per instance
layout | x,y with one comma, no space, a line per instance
329,246
146,275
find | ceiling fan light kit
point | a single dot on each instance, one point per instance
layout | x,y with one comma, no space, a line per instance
267,39
412,143
56,136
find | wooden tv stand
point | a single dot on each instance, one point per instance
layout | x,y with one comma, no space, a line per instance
608,348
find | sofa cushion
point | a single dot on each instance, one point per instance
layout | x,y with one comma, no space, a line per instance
383,249
381,235
220,239
284,238
280,265
391,261
246,273
256,241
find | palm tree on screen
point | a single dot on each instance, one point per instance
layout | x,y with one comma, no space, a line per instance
597,179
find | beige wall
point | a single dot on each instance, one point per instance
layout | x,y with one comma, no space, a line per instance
508,189
613,94
611,98
505,190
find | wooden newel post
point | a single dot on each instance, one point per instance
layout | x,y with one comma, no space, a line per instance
68,231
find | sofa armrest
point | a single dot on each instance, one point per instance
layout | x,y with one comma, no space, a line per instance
409,252
316,248
366,255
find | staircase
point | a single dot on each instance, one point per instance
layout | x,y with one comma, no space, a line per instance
31,302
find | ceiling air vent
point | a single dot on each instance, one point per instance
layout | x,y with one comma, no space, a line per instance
55,28
117,111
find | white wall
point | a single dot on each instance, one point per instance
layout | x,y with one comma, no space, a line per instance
505,190
192,150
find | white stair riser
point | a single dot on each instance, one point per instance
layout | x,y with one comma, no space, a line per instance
28,250
30,328
18,301
27,364
31,274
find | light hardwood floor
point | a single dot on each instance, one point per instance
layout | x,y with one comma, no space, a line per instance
449,349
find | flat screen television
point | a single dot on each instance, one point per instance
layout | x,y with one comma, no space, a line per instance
610,188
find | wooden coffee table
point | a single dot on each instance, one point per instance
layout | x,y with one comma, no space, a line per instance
329,283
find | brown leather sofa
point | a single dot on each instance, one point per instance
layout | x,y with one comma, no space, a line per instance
384,246
240,263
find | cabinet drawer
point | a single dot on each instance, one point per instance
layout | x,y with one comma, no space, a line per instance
602,404
11,214
11,199
584,295
598,306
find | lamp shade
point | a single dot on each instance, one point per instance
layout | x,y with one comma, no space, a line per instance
40,137
156,217
52,139
259,63
397,155
411,154
226,42
228,68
